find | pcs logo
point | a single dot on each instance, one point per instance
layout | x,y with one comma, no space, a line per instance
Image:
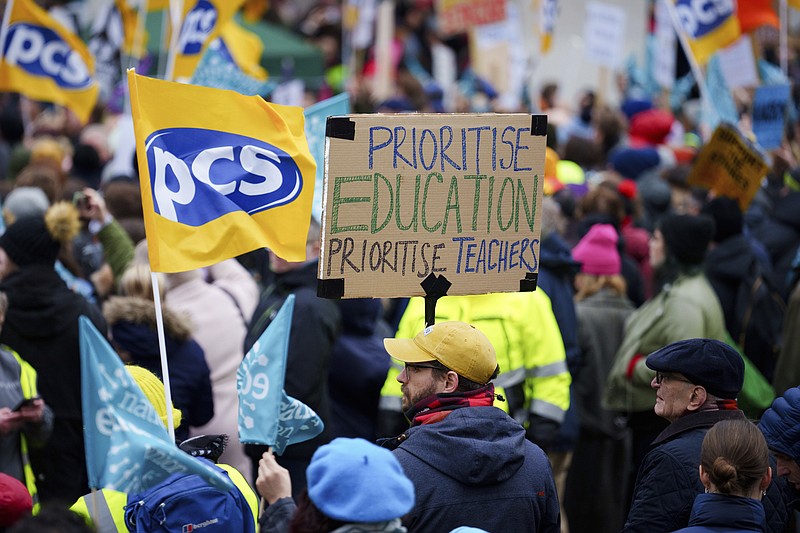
199,175
41,52
197,26
700,17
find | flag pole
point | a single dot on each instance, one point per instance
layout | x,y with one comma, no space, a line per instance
138,38
784,36
693,64
163,351
4,28
175,21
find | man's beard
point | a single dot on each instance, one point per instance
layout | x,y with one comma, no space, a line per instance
409,402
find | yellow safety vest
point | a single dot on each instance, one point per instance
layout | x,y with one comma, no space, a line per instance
27,380
526,338
107,512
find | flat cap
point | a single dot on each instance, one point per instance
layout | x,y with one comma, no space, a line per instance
712,364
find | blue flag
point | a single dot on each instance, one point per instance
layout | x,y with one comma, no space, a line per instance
128,448
260,377
266,414
769,114
316,116
218,70
297,422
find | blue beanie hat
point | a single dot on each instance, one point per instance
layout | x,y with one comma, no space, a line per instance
353,480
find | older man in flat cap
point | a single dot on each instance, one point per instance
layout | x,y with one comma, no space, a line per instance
696,383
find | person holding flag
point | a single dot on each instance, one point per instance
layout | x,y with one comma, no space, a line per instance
315,326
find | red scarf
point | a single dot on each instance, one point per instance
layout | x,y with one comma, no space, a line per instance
436,408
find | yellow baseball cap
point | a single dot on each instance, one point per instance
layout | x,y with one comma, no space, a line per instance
459,346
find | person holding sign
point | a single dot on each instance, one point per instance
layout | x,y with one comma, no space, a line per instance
469,461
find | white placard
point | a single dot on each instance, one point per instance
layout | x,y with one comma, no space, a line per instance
664,54
738,64
604,34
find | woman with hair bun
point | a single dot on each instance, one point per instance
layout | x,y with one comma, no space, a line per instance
734,468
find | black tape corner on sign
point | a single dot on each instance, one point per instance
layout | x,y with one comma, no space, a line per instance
330,288
528,283
340,128
538,124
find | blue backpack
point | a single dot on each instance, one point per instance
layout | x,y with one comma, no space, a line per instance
183,503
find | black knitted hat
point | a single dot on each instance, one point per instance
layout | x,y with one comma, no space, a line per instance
727,217
687,237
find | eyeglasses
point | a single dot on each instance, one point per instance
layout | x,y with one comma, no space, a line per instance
661,377
417,366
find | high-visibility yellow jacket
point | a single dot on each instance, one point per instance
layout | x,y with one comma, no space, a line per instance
523,330
107,513
27,381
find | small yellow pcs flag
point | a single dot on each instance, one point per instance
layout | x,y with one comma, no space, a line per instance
44,61
202,22
708,28
221,174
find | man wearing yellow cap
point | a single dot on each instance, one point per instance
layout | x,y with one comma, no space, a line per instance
469,461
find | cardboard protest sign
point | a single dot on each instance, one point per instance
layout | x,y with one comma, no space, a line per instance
730,166
407,196
769,115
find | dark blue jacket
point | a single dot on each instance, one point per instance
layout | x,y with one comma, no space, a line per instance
781,424
475,468
668,479
718,513
557,269
359,364
133,328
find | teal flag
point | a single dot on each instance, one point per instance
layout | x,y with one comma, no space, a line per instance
218,70
266,414
316,117
260,377
128,448
297,422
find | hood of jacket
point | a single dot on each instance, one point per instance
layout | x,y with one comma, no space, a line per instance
360,315
730,260
781,424
40,303
132,322
473,445
143,311
555,255
734,513
302,276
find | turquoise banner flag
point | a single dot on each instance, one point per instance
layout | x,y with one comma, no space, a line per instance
260,377
128,448
218,70
297,422
266,414
316,116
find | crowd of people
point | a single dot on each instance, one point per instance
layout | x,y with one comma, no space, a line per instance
649,383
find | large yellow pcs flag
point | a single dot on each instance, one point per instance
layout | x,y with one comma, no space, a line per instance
201,23
44,61
708,26
221,174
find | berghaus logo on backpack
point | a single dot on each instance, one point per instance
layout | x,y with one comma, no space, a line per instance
187,528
